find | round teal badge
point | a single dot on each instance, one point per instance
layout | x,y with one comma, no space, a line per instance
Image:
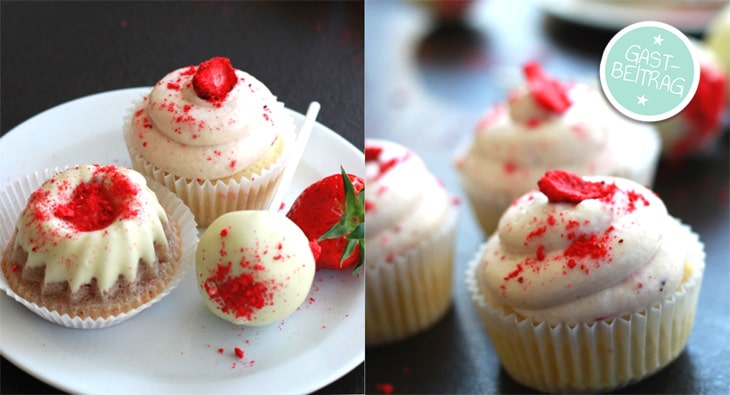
649,71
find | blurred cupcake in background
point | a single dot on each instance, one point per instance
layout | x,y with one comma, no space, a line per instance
699,125
411,223
549,124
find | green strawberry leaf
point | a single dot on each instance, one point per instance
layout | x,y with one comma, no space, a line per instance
357,237
352,222
358,268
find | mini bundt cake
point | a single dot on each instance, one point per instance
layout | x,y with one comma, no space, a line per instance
92,242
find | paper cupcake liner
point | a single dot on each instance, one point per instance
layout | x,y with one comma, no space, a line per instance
487,208
211,199
413,292
14,199
599,356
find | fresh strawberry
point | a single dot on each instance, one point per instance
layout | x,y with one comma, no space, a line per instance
214,79
331,212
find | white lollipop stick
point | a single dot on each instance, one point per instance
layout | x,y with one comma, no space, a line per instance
296,155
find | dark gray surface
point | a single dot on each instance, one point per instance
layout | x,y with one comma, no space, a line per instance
53,52
426,86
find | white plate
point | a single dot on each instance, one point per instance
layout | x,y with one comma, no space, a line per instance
173,345
684,15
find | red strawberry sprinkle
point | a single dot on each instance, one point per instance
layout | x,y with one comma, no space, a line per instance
95,205
242,295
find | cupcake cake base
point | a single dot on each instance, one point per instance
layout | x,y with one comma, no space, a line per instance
410,294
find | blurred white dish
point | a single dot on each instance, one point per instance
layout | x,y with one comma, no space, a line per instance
687,16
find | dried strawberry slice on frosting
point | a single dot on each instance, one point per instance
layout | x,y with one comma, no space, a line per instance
561,186
550,93
372,153
214,79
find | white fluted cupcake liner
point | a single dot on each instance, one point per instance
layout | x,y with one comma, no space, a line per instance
598,356
210,199
487,208
411,293
12,202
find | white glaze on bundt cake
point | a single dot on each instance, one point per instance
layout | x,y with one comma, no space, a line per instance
93,241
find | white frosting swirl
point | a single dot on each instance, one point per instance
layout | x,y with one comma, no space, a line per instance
193,138
514,144
76,256
597,259
404,202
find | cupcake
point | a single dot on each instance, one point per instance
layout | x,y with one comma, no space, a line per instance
92,244
411,222
547,125
587,285
214,135
699,125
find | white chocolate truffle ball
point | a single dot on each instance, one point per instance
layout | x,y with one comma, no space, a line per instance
254,267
